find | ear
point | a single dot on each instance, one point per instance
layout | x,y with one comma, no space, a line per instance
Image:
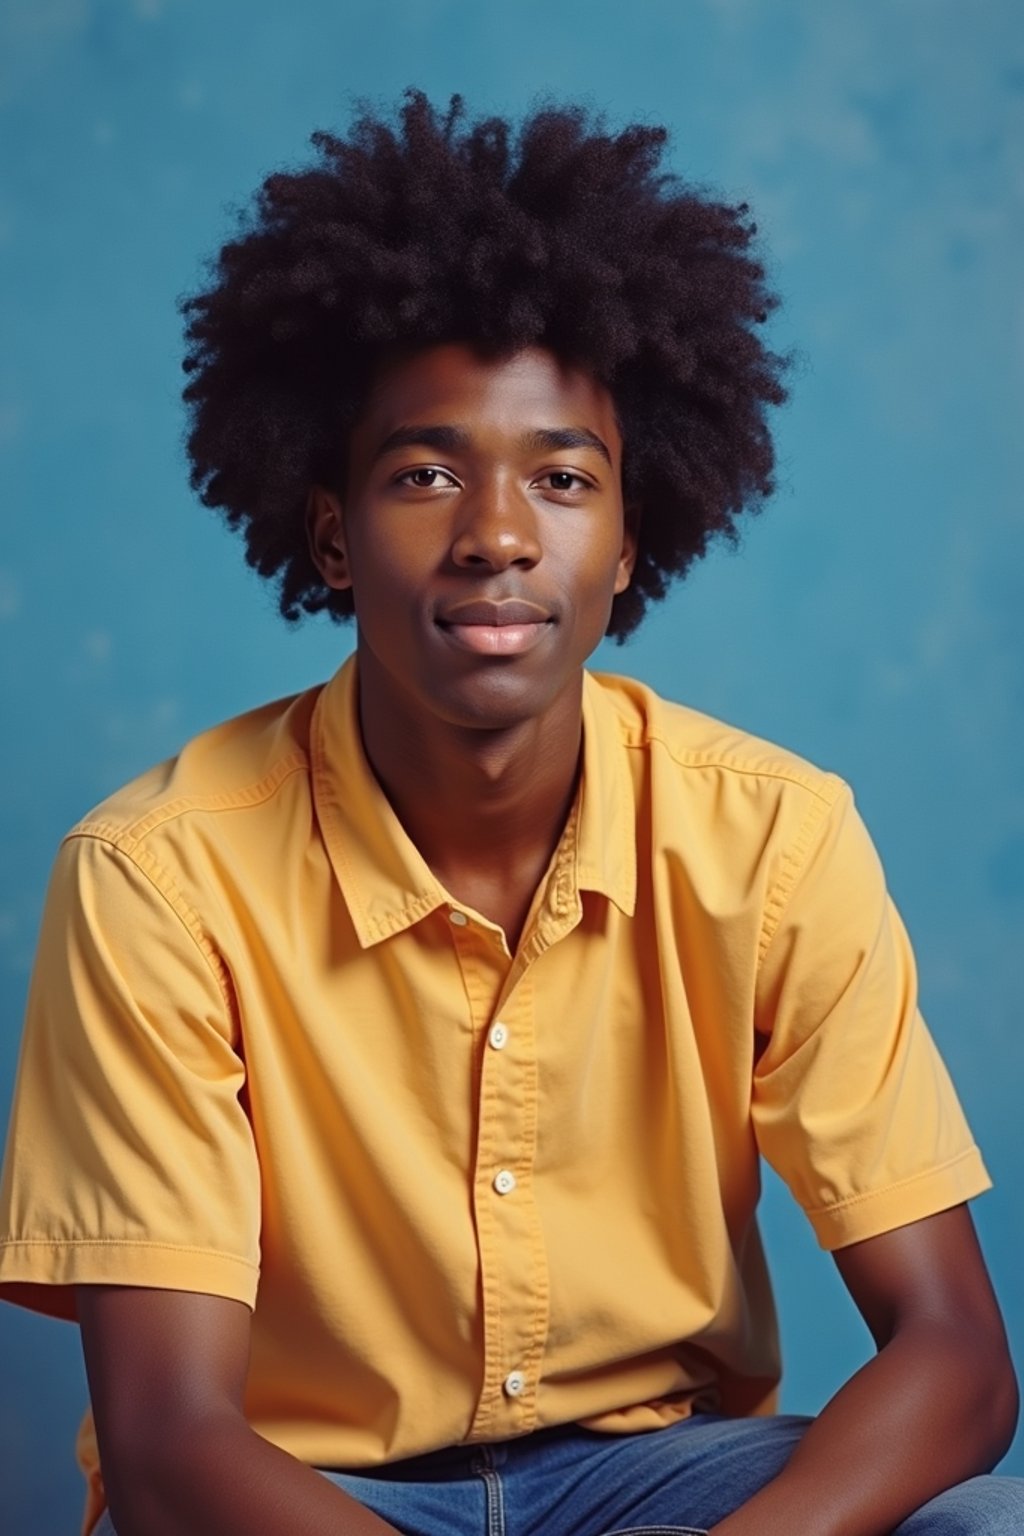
325,529
630,544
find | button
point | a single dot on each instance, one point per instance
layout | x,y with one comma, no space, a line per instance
514,1384
498,1036
458,918
505,1181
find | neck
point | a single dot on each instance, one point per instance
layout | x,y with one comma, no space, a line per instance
480,805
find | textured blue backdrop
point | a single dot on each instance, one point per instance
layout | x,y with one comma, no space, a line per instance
872,619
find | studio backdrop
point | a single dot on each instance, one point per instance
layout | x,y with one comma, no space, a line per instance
871,618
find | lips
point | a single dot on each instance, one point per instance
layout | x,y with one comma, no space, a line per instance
495,615
507,628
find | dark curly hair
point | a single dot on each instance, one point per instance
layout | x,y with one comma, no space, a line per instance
430,230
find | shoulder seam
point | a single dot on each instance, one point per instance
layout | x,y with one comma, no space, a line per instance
791,866
166,887
128,836
825,786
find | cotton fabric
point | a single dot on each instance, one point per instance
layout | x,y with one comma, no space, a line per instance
679,1481
469,1194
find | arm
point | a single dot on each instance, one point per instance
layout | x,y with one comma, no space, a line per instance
936,1405
166,1375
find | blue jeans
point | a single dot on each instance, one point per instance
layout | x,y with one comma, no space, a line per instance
669,1482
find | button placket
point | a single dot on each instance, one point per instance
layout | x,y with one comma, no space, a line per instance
513,1266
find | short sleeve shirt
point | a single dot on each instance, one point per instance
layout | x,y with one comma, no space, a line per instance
468,1193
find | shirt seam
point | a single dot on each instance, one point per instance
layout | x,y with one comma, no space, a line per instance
165,886
887,1189
792,865
244,798
825,786
126,1242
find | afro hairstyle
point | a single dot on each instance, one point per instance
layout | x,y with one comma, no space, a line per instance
427,229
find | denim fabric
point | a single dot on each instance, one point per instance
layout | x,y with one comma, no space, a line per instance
677,1481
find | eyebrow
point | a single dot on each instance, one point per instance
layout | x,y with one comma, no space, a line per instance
457,440
566,437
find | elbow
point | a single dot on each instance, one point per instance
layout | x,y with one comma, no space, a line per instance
1004,1405
133,1479
151,1471
967,1375
991,1398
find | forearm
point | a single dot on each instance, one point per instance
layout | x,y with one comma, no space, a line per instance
219,1478
924,1414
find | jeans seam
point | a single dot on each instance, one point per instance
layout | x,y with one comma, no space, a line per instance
483,1466
656,1530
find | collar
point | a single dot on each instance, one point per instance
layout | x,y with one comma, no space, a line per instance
606,850
387,884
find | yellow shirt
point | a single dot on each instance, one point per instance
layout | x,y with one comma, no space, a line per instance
468,1194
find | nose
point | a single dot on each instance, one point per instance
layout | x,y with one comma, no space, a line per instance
497,528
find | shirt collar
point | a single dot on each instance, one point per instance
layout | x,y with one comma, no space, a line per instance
606,848
384,879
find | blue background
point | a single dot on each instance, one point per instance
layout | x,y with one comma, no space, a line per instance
872,619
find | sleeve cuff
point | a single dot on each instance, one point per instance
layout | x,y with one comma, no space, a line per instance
41,1275
882,1210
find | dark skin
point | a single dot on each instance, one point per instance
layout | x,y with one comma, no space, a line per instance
458,493
475,738
936,1405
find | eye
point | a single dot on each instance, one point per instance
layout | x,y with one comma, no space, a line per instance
425,477
566,480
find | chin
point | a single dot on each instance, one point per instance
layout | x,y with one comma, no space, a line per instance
497,702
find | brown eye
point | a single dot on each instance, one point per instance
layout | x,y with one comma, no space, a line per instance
565,480
425,478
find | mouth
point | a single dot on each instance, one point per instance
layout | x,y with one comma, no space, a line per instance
496,639
508,628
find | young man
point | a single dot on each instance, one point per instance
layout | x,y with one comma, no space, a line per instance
400,1055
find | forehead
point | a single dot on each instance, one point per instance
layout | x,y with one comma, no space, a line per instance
455,385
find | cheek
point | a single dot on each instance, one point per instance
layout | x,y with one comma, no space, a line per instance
381,567
600,568
389,597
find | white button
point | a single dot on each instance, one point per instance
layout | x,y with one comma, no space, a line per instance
458,918
504,1181
498,1036
515,1384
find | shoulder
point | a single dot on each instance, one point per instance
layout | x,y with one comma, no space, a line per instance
241,764
753,826
703,748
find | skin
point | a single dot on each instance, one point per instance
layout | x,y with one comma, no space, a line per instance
453,498
166,1374
936,1405
476,739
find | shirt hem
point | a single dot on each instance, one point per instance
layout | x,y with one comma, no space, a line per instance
41,1274
925,1194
